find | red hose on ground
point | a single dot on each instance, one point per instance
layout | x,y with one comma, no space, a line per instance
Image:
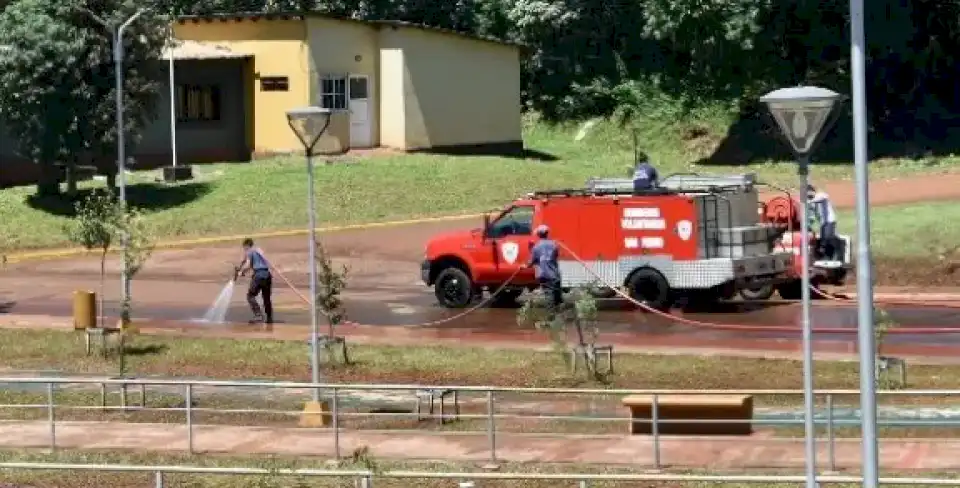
751,327
903,303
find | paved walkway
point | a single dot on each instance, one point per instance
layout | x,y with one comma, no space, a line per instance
677,452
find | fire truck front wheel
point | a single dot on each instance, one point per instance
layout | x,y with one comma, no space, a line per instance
650,288
453,288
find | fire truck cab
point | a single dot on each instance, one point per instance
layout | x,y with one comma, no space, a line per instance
698,237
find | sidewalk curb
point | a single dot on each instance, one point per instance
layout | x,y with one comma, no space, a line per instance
22,257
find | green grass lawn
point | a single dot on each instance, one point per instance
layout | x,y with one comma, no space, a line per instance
60,352
920,229
270,194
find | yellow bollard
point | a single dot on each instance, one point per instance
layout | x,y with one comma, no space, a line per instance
84,310
316,414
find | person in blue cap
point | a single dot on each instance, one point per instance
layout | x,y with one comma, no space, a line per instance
645,176
544,258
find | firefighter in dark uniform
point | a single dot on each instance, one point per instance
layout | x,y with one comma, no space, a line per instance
645,176
544,258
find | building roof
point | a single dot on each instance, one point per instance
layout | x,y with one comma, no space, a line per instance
376,23
196,50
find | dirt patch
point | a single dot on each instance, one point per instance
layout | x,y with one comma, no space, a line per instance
914,272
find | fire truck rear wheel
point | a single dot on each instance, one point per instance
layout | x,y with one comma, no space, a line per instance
758,293
453,288
649,287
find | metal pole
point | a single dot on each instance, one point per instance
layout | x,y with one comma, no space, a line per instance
51,412
831,437
173,108
655,430
158,479
121,142
314,326
491,428
121,166
335,413
188,401
810,434
868,386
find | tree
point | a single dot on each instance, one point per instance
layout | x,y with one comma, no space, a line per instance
139,246
331,282
58,101
94,228
579,312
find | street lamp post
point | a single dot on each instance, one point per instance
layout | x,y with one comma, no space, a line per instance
865,319
116,32
309,124
804,116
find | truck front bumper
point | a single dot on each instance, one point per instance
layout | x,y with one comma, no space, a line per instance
425,271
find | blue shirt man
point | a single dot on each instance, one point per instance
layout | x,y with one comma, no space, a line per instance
645,176
544,258
261,283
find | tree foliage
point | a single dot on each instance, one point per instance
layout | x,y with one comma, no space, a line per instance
95,228
584,58
578,313
57,73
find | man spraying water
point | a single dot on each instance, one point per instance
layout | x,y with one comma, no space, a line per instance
261,283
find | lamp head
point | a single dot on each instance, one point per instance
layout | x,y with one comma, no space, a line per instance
309,124
802,114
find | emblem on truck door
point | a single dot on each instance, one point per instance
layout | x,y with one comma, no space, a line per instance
510,251
684,229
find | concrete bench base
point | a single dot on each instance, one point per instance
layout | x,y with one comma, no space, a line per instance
679,414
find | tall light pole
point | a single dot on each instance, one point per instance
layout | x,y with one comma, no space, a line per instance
803,114
865,329
116,31
309,124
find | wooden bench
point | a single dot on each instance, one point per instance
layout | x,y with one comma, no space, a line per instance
672,410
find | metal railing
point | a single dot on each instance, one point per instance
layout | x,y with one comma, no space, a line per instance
488,400
366,478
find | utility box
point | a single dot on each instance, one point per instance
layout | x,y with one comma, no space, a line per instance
84,310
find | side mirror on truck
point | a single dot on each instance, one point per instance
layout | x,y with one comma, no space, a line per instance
486,223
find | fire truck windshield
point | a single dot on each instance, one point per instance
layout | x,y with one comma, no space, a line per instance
514,221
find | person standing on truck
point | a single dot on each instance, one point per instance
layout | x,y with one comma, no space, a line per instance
261,283
827,217
645,176
544,258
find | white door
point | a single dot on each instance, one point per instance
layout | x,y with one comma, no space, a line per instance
361,128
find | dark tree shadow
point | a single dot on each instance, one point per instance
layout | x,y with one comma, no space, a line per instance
506,151
754,137
145,350
145,196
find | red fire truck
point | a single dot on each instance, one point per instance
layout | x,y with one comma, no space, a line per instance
784,212
696,237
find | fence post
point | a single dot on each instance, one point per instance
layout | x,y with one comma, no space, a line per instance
491,430
158,479
655,430
831,437
188,401
583,484
51,410
335,413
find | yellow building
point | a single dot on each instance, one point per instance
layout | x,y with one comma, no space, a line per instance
398,85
